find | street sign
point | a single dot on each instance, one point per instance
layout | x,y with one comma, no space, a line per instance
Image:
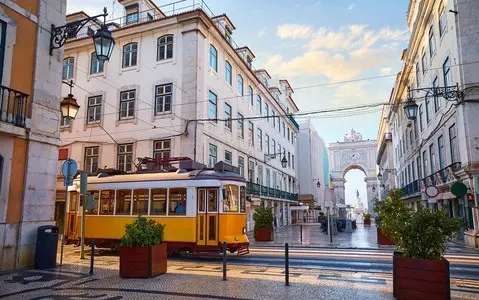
431,200
431,191
69,169
459,189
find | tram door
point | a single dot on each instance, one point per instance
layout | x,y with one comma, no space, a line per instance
72,216
207,217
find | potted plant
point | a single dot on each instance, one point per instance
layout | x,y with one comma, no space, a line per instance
143,254
367,218
263,224
420,270
380,207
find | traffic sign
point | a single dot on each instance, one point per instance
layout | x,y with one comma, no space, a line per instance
69,169
459,189
431,191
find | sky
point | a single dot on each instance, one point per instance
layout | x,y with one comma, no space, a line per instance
327,49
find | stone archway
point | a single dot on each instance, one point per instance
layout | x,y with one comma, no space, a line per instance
353,153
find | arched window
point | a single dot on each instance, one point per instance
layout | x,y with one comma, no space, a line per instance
240,85
68,65
165,47
96,66
228,72
213,58
130,55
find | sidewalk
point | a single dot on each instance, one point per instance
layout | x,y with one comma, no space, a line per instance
362,237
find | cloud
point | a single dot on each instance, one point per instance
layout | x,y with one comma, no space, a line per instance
293,31
357,93
351,6
261,32
385,71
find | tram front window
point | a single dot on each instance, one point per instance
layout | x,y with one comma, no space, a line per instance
231,201
177,202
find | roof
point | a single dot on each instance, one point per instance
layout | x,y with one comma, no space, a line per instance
227,19
150,1
275,88
263,71
78,13
247,49
287,83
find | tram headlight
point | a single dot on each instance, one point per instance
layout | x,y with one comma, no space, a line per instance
244,230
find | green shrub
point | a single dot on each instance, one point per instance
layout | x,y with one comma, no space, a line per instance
367,216
263,217
422,234
143,232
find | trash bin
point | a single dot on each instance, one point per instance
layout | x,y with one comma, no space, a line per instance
46,250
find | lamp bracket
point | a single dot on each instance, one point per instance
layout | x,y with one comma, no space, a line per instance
268,157
450,93
60,34
393,171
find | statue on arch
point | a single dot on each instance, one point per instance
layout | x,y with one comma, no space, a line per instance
353,136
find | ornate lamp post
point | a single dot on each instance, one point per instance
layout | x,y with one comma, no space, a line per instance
268,157
69,106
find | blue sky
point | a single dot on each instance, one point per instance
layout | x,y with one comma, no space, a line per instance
318,42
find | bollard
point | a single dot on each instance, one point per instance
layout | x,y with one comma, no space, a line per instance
286,264
224,261
92,257
301,232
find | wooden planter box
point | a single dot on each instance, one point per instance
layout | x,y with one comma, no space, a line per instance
383,239
263,234
143,262
367,222
420,278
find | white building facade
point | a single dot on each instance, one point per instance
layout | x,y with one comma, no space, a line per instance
178,86
440,147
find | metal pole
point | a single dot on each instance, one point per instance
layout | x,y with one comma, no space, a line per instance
224,261
82,240
301,232
64,224
330,230
286,264
92,257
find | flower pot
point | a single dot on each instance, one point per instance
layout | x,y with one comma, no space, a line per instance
367,222
420,278
382,238
143,262
263,234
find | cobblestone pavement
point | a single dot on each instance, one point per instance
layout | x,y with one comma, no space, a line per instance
312,236
196,280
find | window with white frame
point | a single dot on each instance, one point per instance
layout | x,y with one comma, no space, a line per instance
273,117
213,58
266,138
432,42
284,130
250,95
127,104
428,116
250,171
273,147
417,75
437,103
163,95
91,159
94,110
441,152
96,65
424,160
213,155
212,106
423,63
241,165
454,144
266,113
162,149
446,71
165,47
268,177
228,117
228,73
421,126
228,157
260,139
3,34
240,126
442,21
125,157
68,67
259,105
432,155
240,85
260,175
250,133
130,55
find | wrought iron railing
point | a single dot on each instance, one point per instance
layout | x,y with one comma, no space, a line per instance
14,106
411,189
256,189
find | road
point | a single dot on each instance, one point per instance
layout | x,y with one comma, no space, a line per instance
464,266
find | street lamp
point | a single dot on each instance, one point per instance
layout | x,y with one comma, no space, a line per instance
69,106
410,108
103,41
318,184
380,176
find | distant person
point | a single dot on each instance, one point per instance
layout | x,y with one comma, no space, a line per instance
180,209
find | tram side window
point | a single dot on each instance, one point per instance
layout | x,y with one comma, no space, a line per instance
158,201
106,202
231,201
123,202
242,199
140,202
177,202
94,209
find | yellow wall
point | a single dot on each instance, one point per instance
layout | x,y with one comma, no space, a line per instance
21,79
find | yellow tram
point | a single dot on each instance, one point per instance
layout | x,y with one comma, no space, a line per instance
201,208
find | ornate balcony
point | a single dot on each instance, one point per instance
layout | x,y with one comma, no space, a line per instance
412,189
14,106
254,189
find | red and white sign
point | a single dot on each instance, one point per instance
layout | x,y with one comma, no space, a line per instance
431,191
